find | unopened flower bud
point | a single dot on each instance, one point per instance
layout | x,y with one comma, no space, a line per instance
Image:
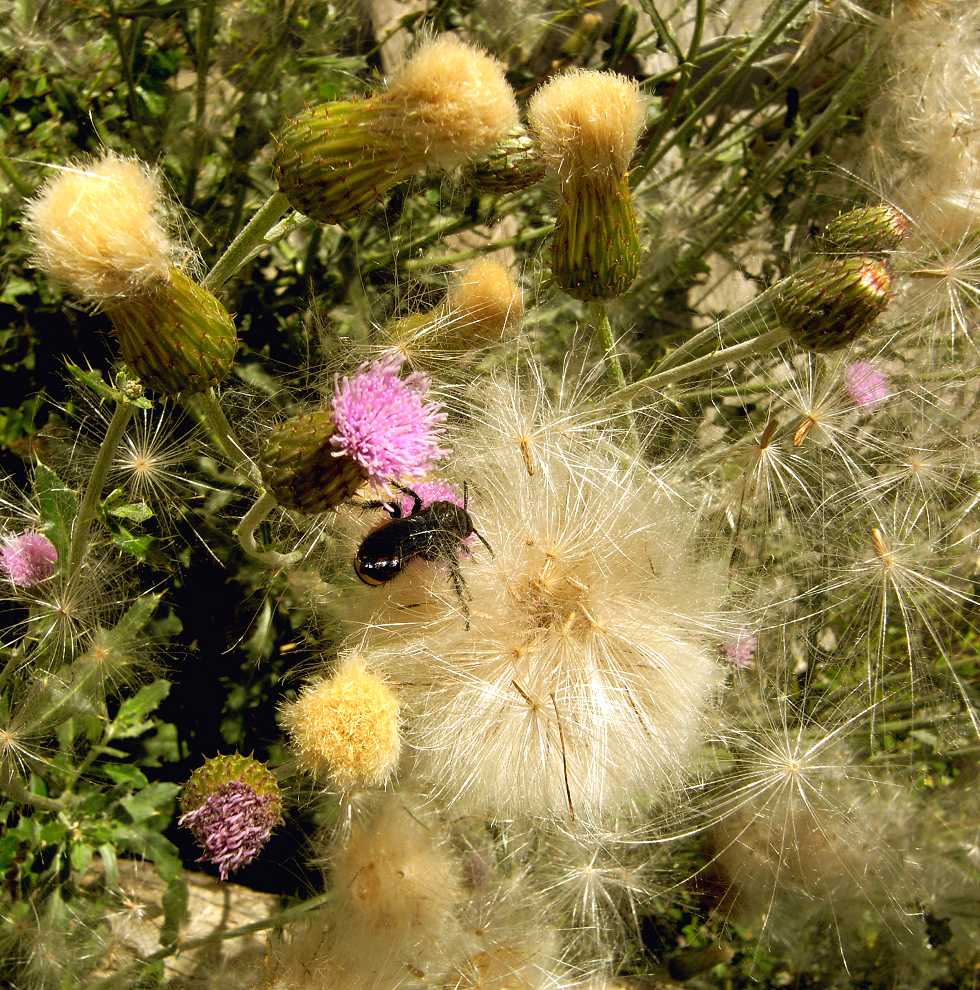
380,428
345,728
587,124
231,804
832,301
512,165
100,230
449,105
866,230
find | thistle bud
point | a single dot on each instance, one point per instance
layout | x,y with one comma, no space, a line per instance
832,301
512,165
100,230
345,727
866,230
587,124
450,104
231,804
380,427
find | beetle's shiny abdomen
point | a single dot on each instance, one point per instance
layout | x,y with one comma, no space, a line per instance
379,558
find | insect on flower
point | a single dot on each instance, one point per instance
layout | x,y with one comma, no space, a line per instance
434,533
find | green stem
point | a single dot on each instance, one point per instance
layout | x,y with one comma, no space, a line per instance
449,260
251,236
22,187
275,920
17,790
205,35
96,482
600,321
206,406
245,532
757,315
738,352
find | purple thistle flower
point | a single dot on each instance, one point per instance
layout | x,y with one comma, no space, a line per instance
232,825
385,423
866,386
429,492
28,559
740,650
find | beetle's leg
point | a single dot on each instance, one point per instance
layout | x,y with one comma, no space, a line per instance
392,508
416,498
459,585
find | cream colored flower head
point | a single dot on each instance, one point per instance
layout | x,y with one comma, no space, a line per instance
453,100
98,228
485,304
344,728
588,122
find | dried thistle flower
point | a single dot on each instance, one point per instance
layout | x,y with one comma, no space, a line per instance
345,727
99,229
587,124
448,105
580,687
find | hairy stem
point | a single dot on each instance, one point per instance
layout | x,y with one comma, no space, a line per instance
96,482
251,236
206,407
738,352
245,532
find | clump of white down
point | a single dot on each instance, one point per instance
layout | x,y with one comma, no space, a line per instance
578,687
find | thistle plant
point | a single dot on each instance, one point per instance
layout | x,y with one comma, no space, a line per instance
576,521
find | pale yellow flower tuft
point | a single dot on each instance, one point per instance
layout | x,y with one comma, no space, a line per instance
345,727
98,229
588,122
455,100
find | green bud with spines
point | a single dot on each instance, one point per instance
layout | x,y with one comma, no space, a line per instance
214,773
302,470
513,164
176,336
830,302
866,230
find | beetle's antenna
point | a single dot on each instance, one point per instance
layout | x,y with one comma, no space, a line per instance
479,536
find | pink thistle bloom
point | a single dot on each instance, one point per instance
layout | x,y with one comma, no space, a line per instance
866,386
740,651
386,423
28,559
233,825
429,492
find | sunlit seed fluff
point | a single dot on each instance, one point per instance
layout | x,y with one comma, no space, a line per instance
98,228
344,729
587,122
580,688
454,100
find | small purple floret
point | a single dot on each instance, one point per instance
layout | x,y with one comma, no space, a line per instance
429,492
740,649
232,826
386,423
866,385
28,559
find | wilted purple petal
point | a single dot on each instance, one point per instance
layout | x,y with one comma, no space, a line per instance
232,826
28,559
